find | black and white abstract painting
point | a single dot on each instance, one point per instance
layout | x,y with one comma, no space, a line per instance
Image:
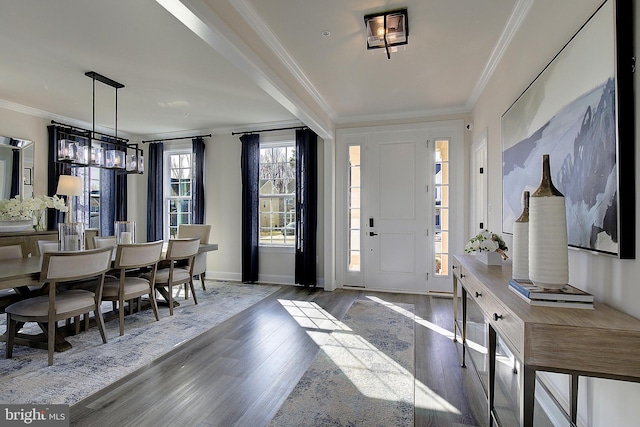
569,112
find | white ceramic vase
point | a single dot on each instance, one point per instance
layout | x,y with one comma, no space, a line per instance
521,243
548,249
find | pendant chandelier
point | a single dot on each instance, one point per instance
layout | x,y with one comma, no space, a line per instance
96,149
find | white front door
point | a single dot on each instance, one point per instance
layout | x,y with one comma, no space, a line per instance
399,216
395,211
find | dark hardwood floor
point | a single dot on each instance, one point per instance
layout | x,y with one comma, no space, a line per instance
241,371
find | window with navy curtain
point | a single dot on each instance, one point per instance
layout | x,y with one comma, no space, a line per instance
306,206
56,169
250,164
197,181
154,192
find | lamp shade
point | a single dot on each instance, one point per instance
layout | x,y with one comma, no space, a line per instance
69,185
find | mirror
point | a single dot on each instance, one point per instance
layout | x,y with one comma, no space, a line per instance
16,168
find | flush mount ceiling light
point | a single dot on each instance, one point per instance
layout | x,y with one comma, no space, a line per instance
387,29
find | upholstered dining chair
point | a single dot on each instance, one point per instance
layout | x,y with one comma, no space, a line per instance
202,231
104,241
59,268
179,251
9,252
127,288
13,251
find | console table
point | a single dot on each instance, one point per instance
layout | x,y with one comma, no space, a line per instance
602,342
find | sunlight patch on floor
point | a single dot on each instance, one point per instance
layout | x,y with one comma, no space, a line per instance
370,370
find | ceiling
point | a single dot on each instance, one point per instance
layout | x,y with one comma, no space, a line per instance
228,65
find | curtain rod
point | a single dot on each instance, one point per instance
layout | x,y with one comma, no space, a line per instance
267,130
117,138
175,139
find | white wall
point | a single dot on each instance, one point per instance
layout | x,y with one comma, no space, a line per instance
548,26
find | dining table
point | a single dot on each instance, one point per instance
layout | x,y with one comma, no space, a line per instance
21,273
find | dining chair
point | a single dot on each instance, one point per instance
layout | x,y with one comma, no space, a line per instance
131,257
104,241
89,234
178,252
59,268
202,231
9,252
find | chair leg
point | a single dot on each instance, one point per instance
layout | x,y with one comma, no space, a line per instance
193,291
51,340
154,303
186,292
121,315
86,322
201,277
170,300
76,325
100,322
12,327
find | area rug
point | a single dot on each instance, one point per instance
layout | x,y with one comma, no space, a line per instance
91,365
363,374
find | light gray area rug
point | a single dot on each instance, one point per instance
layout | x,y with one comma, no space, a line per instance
363,374
91,365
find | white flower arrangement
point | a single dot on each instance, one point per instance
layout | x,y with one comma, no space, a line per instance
24,209
486,241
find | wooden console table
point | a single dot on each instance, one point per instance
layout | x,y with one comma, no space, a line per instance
602,342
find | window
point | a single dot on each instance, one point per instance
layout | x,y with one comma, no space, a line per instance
88,207
277,192
441,220
354,208
178,174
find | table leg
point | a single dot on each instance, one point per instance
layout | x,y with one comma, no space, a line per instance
492,370
464,327
529,391
455,308
573,395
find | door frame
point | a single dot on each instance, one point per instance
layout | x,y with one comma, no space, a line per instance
479,206
450,129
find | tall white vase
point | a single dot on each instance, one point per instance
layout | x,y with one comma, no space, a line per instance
521,242
548,250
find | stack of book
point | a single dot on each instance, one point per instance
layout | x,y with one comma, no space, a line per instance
567,296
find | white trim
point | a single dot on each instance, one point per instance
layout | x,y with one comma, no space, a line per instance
248,12
206,24
520,11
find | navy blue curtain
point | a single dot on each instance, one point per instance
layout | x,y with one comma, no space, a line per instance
154,193
113,197
197,184
53,174
15,169
306,206
250,163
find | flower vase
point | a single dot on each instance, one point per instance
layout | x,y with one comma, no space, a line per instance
521,242
548,246
489,258
39,221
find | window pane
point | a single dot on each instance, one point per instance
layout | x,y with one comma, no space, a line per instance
441,201
354,208
277,195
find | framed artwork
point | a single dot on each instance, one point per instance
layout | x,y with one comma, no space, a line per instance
580,111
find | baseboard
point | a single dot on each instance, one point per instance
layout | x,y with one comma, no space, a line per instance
270,279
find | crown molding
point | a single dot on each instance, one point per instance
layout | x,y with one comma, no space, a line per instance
520,11
249,13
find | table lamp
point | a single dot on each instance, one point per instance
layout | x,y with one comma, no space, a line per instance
70,186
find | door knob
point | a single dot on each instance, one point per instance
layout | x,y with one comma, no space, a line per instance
371,233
